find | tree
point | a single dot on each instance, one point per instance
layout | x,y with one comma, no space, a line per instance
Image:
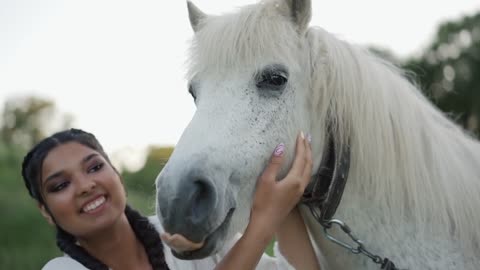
449,71
28,119
25,121
144,179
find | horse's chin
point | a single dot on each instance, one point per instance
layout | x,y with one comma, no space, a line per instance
212,241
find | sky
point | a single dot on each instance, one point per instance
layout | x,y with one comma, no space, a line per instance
118,66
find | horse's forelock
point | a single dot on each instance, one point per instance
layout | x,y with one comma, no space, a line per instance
247,38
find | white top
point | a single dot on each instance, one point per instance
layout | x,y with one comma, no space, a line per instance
266,262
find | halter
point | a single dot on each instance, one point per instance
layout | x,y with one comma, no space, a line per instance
323,195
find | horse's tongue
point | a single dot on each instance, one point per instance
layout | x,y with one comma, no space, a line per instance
180,243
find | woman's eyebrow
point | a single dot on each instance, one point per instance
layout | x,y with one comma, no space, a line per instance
87,158
52,176
57,174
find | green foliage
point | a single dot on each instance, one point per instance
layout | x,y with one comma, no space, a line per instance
449,71
143,181
27,240
26,120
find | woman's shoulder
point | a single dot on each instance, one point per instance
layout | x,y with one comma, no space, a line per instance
61,263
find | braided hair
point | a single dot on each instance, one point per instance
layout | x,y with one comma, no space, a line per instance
143,229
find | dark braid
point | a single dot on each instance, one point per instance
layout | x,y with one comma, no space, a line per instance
67,243
144,230
32,171
149,237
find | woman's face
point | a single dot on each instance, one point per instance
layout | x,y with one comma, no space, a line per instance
81,189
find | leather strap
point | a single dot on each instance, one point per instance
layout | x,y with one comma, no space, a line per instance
324,193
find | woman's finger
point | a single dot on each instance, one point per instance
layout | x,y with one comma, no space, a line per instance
179,242
275,163
307,171
299,161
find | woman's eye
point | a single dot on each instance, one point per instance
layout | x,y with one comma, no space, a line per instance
95,168
59,187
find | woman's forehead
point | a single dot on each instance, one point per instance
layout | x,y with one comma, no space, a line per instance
65,156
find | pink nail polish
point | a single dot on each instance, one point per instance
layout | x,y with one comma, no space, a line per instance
279,150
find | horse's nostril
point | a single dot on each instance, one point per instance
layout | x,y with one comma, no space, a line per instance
201,199
187,205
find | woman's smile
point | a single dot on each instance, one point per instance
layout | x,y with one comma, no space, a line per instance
83,191
94,206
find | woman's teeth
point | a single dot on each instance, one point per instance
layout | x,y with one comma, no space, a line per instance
94,205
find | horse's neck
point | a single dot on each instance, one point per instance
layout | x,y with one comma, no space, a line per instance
408,160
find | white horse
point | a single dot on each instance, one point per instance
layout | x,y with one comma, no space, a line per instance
258,77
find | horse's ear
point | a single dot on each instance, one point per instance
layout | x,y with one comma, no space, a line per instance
301,12
195,15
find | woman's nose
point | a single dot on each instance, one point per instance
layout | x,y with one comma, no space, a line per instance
86,185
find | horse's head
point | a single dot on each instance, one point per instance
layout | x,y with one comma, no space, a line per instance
250,77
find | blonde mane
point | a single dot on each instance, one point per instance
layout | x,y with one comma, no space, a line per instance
406,154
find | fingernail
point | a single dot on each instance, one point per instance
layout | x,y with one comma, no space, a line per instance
302,135
309,138
279,150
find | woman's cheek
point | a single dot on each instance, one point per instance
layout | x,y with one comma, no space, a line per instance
62,203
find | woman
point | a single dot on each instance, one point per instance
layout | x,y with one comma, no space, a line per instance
80,193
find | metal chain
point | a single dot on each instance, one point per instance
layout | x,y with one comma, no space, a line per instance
315,205
360,247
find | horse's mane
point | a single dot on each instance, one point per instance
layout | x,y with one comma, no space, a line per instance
411,159
406,155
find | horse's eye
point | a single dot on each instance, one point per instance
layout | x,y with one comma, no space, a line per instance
272,79
276,79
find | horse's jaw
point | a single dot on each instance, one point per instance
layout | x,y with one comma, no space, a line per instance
204,199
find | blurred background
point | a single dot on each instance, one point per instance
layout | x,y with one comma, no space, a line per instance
115,68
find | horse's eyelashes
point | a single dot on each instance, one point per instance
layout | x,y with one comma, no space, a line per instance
272,80
277,79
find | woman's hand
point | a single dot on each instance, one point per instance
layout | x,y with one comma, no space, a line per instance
274,207
274,198
272,203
